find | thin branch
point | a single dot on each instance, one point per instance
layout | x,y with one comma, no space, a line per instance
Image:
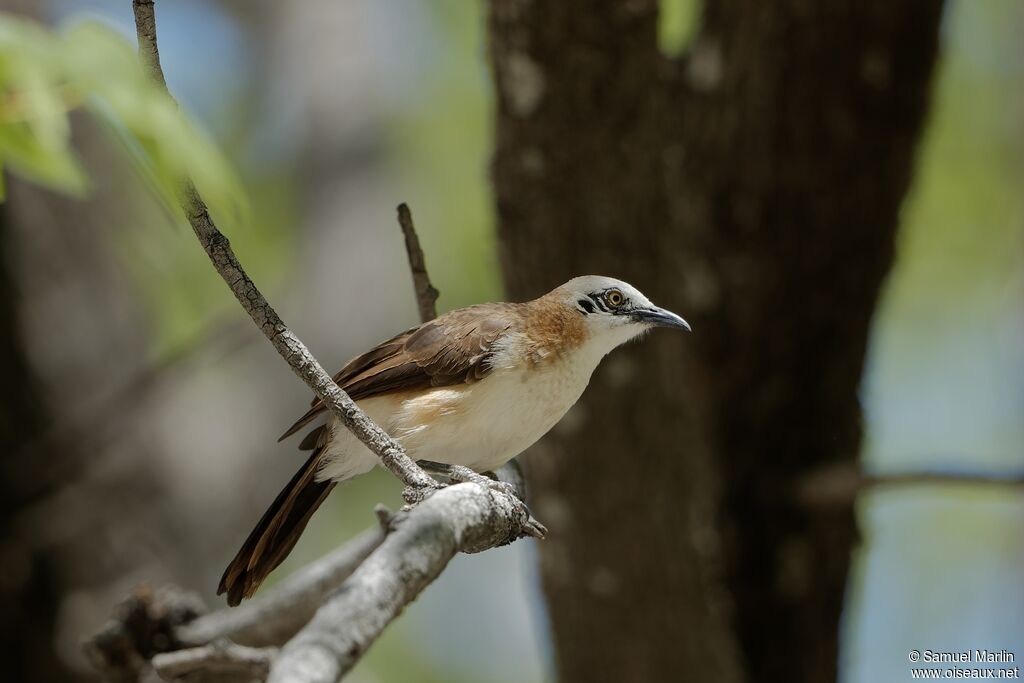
461,518
217,657
266,318
426,294
840,485
274,616
145,30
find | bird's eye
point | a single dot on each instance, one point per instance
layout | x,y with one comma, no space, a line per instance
614,298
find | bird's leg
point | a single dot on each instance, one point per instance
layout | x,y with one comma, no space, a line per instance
461,473
436,469
454,474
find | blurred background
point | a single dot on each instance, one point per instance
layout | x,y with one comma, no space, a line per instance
142,408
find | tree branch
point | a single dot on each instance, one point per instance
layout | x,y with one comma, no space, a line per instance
465,517
145,31
426,294
274,616
841,484
290,347
218,657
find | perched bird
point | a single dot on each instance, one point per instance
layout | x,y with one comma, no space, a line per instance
473,387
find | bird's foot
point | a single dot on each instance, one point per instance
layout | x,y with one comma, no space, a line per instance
531,527
458,474
462,474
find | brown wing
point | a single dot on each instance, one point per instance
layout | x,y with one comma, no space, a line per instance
451,349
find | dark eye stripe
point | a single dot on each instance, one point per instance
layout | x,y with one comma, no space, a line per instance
599,300
586,305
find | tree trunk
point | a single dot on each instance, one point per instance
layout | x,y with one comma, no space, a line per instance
30,590
754,187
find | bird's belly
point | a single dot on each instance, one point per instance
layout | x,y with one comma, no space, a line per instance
485,424
481,425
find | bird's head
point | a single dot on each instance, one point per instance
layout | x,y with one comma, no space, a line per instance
613,310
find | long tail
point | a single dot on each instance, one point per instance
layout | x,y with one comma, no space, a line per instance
276,532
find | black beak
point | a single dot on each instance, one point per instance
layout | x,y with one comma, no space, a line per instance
660,318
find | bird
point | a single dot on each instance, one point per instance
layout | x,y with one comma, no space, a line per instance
473,387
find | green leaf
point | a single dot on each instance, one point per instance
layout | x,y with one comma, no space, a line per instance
25,154
43,75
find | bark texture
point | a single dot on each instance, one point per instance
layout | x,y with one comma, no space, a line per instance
465,517
753,186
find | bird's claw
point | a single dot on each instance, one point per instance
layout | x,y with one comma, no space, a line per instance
460,473
532,527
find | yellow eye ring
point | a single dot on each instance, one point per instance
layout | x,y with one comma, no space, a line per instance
614,298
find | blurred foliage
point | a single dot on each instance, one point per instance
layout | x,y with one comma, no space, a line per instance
677,25
963,219
940,564
183,296
45,75
940,391
438,150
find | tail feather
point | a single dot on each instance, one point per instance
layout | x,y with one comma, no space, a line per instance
276,532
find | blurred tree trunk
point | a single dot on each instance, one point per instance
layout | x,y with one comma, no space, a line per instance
754,187
30,591
78,481
30,587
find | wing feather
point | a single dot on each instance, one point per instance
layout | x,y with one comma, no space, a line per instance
454,348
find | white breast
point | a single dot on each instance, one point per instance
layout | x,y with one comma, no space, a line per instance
480,425
487,423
